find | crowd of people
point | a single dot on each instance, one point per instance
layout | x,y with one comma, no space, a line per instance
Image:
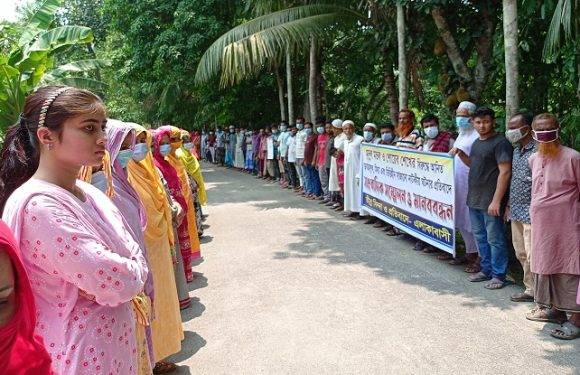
102,219
525,176
101,226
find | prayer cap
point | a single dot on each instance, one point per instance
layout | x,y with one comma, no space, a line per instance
347,123
337,123
467,105
370,124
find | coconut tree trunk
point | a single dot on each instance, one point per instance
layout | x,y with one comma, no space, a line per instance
510,35
280,82
403,84
313,81
289,86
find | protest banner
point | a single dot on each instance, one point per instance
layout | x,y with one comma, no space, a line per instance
412,190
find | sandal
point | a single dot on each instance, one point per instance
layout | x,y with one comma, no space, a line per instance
545,315
458,261
495,284
393,232
164,367
445,257
472,268
479,277
567,331
429,250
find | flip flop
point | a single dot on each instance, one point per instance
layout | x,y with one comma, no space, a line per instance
567,331
495,284
164,367
479,277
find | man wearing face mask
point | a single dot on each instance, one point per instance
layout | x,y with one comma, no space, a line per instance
519,133
324,131
336,166
387,134
300,144
467,135
313,190
555,218
282,146
230,147
352,160
369,135
220,146
435,141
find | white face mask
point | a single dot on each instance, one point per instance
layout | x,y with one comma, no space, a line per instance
99,181
188,146
432,132
515,135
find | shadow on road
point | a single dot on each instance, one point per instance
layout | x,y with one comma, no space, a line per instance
190,345
193,311
199,281
337,240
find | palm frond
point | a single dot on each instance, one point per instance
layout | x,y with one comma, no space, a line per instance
562,19
240,48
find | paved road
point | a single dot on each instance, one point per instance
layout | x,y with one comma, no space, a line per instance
289,287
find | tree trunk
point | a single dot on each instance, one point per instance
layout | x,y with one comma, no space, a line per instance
510,34
280,82
312,80
291,117
416,82
390,89
403,84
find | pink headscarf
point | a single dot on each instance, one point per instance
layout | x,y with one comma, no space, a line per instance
21,351
167,170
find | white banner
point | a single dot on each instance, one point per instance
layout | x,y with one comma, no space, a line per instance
412,190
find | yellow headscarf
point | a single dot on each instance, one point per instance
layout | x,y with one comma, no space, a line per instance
194,169
179,166
145,179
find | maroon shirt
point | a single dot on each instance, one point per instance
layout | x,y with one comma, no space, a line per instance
309,148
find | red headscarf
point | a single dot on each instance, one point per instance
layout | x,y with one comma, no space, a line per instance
167,170
21,352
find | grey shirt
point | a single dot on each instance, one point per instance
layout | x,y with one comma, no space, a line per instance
484,171
521,184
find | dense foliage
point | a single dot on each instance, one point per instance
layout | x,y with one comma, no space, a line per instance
156,45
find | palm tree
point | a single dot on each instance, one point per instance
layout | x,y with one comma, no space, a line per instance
566,17
403,83
249,47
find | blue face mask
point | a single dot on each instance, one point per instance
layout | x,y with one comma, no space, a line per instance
387,137
308,131
99,181
188,146
299,126
368,136
283,128
164,150
140,151
462,122
124,157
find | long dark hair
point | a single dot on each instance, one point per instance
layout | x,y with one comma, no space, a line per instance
53,105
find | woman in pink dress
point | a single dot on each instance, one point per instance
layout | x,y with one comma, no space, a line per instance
83,264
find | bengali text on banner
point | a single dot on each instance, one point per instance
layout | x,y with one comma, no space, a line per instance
412,190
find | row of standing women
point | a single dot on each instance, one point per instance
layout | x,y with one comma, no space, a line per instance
105,219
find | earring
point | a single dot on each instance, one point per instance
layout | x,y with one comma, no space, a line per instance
49,146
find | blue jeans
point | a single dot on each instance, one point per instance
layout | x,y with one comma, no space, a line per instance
313,181
489,233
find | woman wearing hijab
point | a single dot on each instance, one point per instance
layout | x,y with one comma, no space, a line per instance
85,266
191,163
175,174
120,143
167,331
21,351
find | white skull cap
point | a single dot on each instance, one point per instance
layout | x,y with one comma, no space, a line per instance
467,105
347,123
337,123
